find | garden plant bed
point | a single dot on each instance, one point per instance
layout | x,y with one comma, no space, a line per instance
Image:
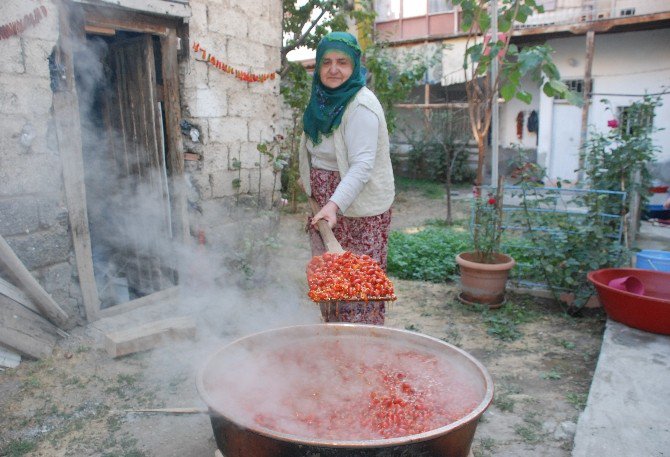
76,402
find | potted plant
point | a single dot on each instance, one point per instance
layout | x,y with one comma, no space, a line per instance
485,270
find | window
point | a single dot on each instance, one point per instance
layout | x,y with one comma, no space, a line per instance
636,118
627,12
575,85
440,6
387,10
414,8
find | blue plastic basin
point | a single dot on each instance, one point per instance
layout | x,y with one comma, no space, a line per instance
653,260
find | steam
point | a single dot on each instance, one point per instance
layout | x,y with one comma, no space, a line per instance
228,284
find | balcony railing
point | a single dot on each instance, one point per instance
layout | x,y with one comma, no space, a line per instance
557,12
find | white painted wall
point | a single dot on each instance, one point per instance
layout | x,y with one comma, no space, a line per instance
625,67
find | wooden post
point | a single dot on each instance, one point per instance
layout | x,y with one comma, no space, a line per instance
590,44
68,133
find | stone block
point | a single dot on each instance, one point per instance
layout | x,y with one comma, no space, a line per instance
42,248
52,212
56,280
18,216
46,29
229,129
32,174
194,73
36,54
25,95
246,54
229,22
197,23
267,30
209,103
222,183
249,156
262,130
11,57
217,156
249,105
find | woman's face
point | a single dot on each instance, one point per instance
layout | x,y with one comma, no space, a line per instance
336,68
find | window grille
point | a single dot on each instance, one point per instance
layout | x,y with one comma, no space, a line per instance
575,85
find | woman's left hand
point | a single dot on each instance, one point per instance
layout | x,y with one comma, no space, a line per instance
328,213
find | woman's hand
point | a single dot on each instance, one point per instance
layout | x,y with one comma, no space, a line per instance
328,213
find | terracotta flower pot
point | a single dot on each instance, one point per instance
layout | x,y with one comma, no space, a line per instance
484,283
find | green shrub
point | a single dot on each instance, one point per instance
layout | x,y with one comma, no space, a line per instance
428,255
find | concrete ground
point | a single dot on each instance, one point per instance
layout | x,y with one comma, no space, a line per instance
628,409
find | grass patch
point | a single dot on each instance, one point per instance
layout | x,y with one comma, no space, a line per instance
429,189
531,430
18,448
578,400
428,255
502,323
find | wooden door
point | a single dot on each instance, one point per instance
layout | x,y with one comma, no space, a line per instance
138,148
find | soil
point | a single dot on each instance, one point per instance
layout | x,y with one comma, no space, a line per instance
81,402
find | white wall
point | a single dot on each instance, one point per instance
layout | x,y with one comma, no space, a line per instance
625,67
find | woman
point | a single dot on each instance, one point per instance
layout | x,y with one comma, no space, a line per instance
345,163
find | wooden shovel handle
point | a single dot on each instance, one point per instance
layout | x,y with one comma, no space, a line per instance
329,240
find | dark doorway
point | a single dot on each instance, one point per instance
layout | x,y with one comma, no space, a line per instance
128,199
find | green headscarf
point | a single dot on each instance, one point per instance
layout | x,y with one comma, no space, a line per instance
326,106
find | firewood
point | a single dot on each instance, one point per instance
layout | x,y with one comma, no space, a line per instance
149,336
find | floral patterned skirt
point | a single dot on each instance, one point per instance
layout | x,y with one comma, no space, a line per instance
360,235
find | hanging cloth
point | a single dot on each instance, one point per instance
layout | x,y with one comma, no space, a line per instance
533,122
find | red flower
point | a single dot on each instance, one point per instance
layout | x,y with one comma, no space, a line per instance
612,123
492,201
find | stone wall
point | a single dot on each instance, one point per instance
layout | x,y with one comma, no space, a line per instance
33,214
231,116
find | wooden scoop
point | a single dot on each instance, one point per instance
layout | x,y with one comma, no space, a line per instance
333,246
327,235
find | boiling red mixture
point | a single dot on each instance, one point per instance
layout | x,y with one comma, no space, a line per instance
341,391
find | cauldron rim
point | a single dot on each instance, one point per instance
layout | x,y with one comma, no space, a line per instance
386,442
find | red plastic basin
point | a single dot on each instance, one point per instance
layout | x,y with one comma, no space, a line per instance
649,312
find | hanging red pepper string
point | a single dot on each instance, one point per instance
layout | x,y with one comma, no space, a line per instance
14,28
239,74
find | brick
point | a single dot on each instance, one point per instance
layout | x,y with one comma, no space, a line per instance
18,216
229,129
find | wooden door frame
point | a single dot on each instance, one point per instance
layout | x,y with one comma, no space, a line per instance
75,20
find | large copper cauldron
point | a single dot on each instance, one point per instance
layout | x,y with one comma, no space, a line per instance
239,437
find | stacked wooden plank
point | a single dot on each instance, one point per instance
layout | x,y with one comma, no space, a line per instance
29,317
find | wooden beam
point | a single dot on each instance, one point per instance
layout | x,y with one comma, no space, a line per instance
149,336
16,294
174,144
24,331
162,296
15,268
68,133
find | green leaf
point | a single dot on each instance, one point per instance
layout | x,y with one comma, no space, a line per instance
524,96
507,91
